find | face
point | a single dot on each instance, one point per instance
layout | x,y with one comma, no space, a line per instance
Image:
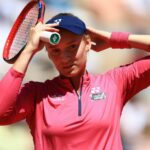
70,55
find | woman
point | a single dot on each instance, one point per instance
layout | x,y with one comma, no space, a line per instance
76,110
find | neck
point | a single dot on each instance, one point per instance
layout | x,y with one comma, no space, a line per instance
76,81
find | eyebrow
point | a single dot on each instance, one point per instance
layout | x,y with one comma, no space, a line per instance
68,43
73,41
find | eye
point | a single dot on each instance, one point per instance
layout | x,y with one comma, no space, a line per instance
55,52
73,46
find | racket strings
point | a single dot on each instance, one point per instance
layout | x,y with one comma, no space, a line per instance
22,34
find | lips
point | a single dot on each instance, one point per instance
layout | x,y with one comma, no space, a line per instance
68,66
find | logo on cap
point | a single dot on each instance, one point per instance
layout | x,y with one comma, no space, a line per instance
57,20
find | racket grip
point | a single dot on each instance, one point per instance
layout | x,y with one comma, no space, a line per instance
51,37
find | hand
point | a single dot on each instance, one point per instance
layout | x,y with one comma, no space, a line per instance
34,44
100,38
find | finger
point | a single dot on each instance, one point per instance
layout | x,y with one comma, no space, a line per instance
42,27
90,32
89,29
39,24
52,24
93,43
51,29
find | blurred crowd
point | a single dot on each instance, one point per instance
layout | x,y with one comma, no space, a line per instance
110,15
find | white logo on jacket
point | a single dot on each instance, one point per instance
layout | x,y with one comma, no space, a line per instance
97,94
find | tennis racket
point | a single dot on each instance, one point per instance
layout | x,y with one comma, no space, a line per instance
16,41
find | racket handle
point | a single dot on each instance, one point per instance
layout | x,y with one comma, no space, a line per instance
51,37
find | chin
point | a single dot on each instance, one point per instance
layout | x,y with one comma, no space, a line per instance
71,73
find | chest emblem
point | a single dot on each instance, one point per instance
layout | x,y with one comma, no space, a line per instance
97,94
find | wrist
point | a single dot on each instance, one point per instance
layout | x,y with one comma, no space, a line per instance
119,40
23,60
29,50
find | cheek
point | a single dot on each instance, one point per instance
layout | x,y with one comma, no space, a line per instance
54,60
82,52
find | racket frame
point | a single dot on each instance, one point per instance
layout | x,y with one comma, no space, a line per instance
16,25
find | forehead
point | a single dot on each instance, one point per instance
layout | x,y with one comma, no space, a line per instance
67,38
65,34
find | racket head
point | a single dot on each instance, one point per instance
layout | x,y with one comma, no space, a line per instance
16,41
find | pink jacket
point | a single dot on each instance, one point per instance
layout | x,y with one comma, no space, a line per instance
51,108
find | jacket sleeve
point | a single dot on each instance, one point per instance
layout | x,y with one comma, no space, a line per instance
16,101
132,78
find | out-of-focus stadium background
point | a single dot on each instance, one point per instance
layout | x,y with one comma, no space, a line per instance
111,15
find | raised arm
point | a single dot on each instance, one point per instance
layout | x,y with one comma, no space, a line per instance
140,41
33,46
104,40
16,102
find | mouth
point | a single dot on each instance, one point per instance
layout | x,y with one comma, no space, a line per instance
68,66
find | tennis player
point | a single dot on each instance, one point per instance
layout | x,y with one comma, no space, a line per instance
76,110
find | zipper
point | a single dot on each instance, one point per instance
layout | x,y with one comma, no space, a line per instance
79,95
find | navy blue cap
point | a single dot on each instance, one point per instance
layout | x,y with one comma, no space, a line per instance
70,23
